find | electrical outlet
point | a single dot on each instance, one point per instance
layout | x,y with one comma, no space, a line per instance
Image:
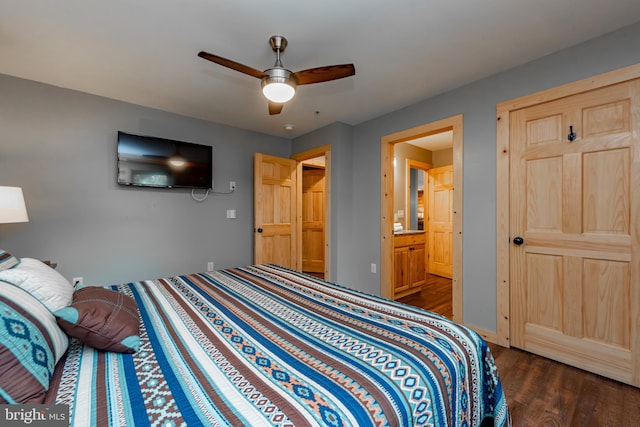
232,185
77,281
210,266
374,267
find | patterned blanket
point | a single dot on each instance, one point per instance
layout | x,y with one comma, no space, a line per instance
262,345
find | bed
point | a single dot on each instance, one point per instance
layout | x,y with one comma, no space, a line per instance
263,345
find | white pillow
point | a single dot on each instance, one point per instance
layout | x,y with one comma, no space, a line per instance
41,281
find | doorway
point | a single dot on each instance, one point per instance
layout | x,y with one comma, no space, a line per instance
313,189
388,142
314,208
278,209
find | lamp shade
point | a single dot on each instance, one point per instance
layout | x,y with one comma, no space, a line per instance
278,85
278,92
12,207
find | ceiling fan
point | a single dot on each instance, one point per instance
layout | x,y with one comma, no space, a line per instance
278,83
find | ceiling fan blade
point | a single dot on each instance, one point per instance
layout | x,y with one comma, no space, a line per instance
231,64
324,74
275,108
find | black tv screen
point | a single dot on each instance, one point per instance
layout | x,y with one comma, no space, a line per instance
157,162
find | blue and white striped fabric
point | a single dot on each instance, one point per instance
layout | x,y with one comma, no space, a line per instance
263,345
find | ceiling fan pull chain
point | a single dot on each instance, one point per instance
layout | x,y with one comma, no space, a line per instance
572,135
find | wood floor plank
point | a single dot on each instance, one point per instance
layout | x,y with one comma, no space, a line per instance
436,296
542,392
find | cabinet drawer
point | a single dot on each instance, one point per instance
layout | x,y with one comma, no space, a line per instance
409,239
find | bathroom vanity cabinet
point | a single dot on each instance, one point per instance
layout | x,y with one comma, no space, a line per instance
410,256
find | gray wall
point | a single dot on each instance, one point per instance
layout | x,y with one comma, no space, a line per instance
477,102
60,146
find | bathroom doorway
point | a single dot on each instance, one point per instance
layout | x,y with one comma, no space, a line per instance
423,205
389,213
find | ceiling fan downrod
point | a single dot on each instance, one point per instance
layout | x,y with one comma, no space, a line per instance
278,44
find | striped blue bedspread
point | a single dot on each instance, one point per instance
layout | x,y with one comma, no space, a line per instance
262,345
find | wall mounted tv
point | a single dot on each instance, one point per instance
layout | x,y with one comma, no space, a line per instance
157,162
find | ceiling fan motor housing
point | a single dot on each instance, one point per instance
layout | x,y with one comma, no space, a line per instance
278,75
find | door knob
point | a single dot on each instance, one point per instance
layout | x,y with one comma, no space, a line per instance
259,230
518,241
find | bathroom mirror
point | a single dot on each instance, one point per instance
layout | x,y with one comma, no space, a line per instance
411,164
417,186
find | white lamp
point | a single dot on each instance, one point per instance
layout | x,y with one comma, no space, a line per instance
12,207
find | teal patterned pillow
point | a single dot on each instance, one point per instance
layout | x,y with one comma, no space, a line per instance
7,260
31,343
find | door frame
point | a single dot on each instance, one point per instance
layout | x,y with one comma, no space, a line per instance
455,124
503,239
324,150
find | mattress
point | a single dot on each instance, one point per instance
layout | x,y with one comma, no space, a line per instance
263,345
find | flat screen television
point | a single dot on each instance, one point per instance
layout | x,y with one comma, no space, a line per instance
148,161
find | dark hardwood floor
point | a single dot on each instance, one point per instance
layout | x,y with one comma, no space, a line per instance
435,296
541,392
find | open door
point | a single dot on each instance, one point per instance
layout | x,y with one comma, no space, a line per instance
275,211
313,212
441,221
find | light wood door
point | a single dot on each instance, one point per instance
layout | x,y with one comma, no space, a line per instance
441,221
313,182
575,277
275,211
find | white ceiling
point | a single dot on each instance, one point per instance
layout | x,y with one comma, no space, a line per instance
144,51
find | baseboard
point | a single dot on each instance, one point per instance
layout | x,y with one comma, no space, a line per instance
488,336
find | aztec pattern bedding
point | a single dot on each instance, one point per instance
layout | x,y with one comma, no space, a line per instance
263,345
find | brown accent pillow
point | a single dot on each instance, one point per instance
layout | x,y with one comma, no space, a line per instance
102,318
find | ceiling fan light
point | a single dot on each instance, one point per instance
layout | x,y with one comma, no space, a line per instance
278,92
277,86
